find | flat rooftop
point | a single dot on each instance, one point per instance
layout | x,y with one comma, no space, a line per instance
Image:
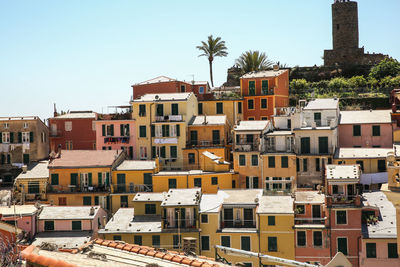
263,74
309,197
276,205
67,212
360,152
182,197
77,115
240,196
35,170
134,165
164,97
85,158
158,197
67,239
207,120
365,116
19,210
251,126
340,172
322,103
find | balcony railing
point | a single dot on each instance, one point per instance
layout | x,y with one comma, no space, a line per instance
186,223
77,189
116,140
238,224
169,118
275,149
299,221
56,133
205,143
132,188
243,146
338,199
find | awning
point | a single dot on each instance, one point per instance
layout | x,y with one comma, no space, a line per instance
374,178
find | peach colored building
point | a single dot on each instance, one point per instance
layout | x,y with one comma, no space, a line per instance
116,135
24,216
366,128
71,218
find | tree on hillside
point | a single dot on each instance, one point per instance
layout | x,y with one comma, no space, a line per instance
253,61
211,49
387,67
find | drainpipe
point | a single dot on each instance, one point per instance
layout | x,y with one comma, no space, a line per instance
259,240
358,250
151,138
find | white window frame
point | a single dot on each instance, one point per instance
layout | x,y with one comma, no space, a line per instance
209,243
94,126
84,179
143,152
25,137
26,125
172,130
158,131
108,129
6,125
347,244
5,137
68,126
43,137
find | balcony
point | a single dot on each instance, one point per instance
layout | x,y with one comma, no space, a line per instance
56,133
331,123
185,224
274,149
132,188
116,140
205,143
238,224
169,118
61,189
302,221
343,200
247,147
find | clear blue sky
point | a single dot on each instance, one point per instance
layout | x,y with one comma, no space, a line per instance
84,55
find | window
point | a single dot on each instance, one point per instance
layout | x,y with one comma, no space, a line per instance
87,201
289,123
76,225
272,243
205,243
201,89
317,119
305,165
123,201
25,137
142,110
173,152
361,163
300,209
342,245
242,160
251,182
214,180
323,144
5,137
305,145
200,108
356,130
143,152
204,218
251,118
155,241
341,217
271,162
160,110
264,87
124,129
245,243
171,183
250,104
6,125
301,238
174,109
43,137
49,225
264,118
137,239
117,238
317,238
192,159
239,107
271,220
264,103
254,160
317,165
165,130
220,108
142,131
392,251
183,88
371,250
284,162
381,165
175,241
252,88
68,145
226,241
197,182
162,152
376,130
68,126
54,179
150,208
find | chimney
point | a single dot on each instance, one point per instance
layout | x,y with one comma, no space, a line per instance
24,169
55,110
91,211
276,67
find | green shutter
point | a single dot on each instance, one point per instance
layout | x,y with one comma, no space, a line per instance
76,225
90,178
153,130
121,129
178,130
323,144
74,179
11,137
19,137
103,130
99,178
162,152
112,129
31,137
1,137
107,178
54,179
87,201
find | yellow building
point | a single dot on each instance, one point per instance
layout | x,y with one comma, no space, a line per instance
158,220
247,220
232,108
129,178
161,122
82,177
207,133
30,185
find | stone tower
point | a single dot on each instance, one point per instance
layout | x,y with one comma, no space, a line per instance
346,49
344,25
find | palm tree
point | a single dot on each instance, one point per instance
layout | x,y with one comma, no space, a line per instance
253,61
211,49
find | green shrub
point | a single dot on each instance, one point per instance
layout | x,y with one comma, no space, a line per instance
338,83
387,67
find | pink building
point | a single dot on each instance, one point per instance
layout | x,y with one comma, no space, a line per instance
379,239
71,218
24,215
311,228
116,134
366,128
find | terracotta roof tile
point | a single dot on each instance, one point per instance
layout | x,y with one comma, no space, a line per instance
159,255
196,263
151,253
84,158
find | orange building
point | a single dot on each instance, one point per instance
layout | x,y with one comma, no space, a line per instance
263,91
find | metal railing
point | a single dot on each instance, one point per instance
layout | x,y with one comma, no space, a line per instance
244,146
299,221
77,189
132,188
186,223
122,139
205,143
169,118
56,133
238,224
